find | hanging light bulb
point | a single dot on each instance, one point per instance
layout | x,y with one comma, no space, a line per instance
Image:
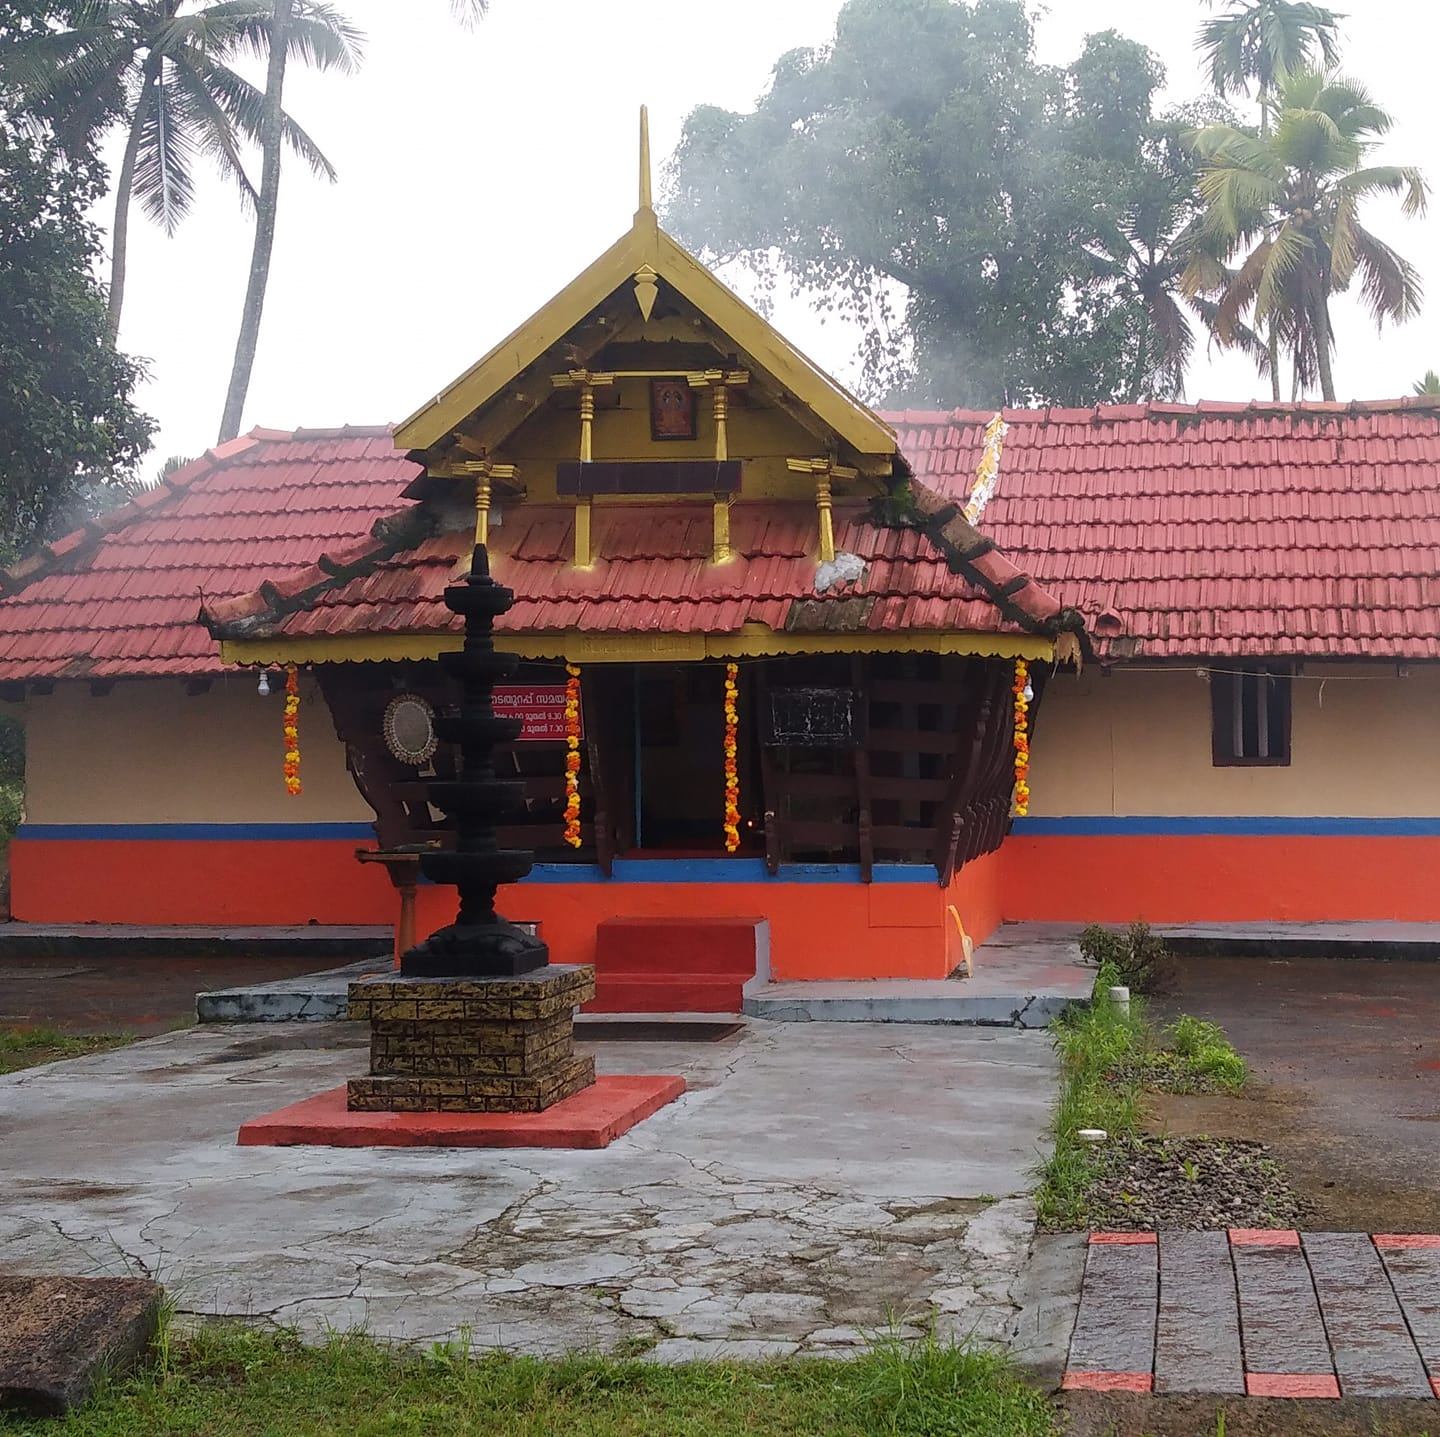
1029,692
263,687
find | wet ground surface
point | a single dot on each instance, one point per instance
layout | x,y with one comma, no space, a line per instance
817,1183
1345,1057
123,994
1097,1414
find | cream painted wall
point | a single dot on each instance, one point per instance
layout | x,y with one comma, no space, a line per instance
1138,743
148,752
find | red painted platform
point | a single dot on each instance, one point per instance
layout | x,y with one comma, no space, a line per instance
673,965
593,1118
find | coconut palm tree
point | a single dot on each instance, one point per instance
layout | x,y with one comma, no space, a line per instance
162,70
283,15
1259,42
1430,384
1285,207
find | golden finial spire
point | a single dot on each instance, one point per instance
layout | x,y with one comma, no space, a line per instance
646,203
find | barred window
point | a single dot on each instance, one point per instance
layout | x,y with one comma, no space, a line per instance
1250,714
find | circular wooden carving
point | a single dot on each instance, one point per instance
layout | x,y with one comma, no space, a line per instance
409,729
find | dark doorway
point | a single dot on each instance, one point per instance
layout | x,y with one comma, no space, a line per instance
679,758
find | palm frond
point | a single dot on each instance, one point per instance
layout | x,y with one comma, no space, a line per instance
469,12
1310,139
215,131
323,37
1388,179
1238,294
1289,249
164,183
1240,336
244,103
1391,286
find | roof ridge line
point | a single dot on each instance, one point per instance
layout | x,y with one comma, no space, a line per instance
967,551
242,615
1166,409
46,557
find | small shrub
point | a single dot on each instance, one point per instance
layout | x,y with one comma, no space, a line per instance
1102,946
1139,957
1207,1052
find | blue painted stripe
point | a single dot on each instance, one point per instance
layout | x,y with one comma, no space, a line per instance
725,870
197,832
1156,826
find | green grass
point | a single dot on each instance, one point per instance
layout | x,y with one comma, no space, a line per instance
29,1047
1099,1046
1108,1057
230,1381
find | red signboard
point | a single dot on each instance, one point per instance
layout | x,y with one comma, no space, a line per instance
540,706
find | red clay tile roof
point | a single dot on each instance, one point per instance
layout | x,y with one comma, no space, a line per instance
121,596
1216,529
1178,531
652,575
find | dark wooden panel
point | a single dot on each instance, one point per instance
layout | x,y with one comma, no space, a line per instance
911,741
917,790
914,691
648,476
816,833
908,840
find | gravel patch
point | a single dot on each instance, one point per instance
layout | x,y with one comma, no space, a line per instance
1144,1184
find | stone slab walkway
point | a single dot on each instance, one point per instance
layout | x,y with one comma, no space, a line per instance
1025,975
1259,1313
817,1183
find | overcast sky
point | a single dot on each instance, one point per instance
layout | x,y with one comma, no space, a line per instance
479,171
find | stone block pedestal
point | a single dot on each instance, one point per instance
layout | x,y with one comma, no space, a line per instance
471,1045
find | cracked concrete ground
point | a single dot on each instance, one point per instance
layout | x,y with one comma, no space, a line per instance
819,1182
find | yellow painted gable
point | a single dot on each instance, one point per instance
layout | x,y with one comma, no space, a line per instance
790,405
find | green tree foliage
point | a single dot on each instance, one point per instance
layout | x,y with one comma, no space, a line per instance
68,423
1259,42
1029,212
1430,384
162,71
1286,206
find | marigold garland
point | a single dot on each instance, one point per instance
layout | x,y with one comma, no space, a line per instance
1022,692
292,731
732,769
572,755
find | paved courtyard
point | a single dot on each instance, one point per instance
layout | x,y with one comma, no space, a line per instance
817,1183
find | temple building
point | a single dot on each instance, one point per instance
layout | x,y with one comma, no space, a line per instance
783,658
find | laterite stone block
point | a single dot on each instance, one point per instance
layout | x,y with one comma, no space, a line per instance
471,1044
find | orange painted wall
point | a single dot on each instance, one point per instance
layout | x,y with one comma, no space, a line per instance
1218,878
978,893
817,930
158,881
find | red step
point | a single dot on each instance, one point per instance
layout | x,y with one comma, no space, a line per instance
676,945
673,965
681,994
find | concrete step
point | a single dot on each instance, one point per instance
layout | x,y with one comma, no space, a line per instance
643,947
94,940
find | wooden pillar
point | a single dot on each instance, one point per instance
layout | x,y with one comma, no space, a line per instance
583,502
824,471
827,522
720,550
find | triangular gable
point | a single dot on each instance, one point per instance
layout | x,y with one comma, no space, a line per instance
646,244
